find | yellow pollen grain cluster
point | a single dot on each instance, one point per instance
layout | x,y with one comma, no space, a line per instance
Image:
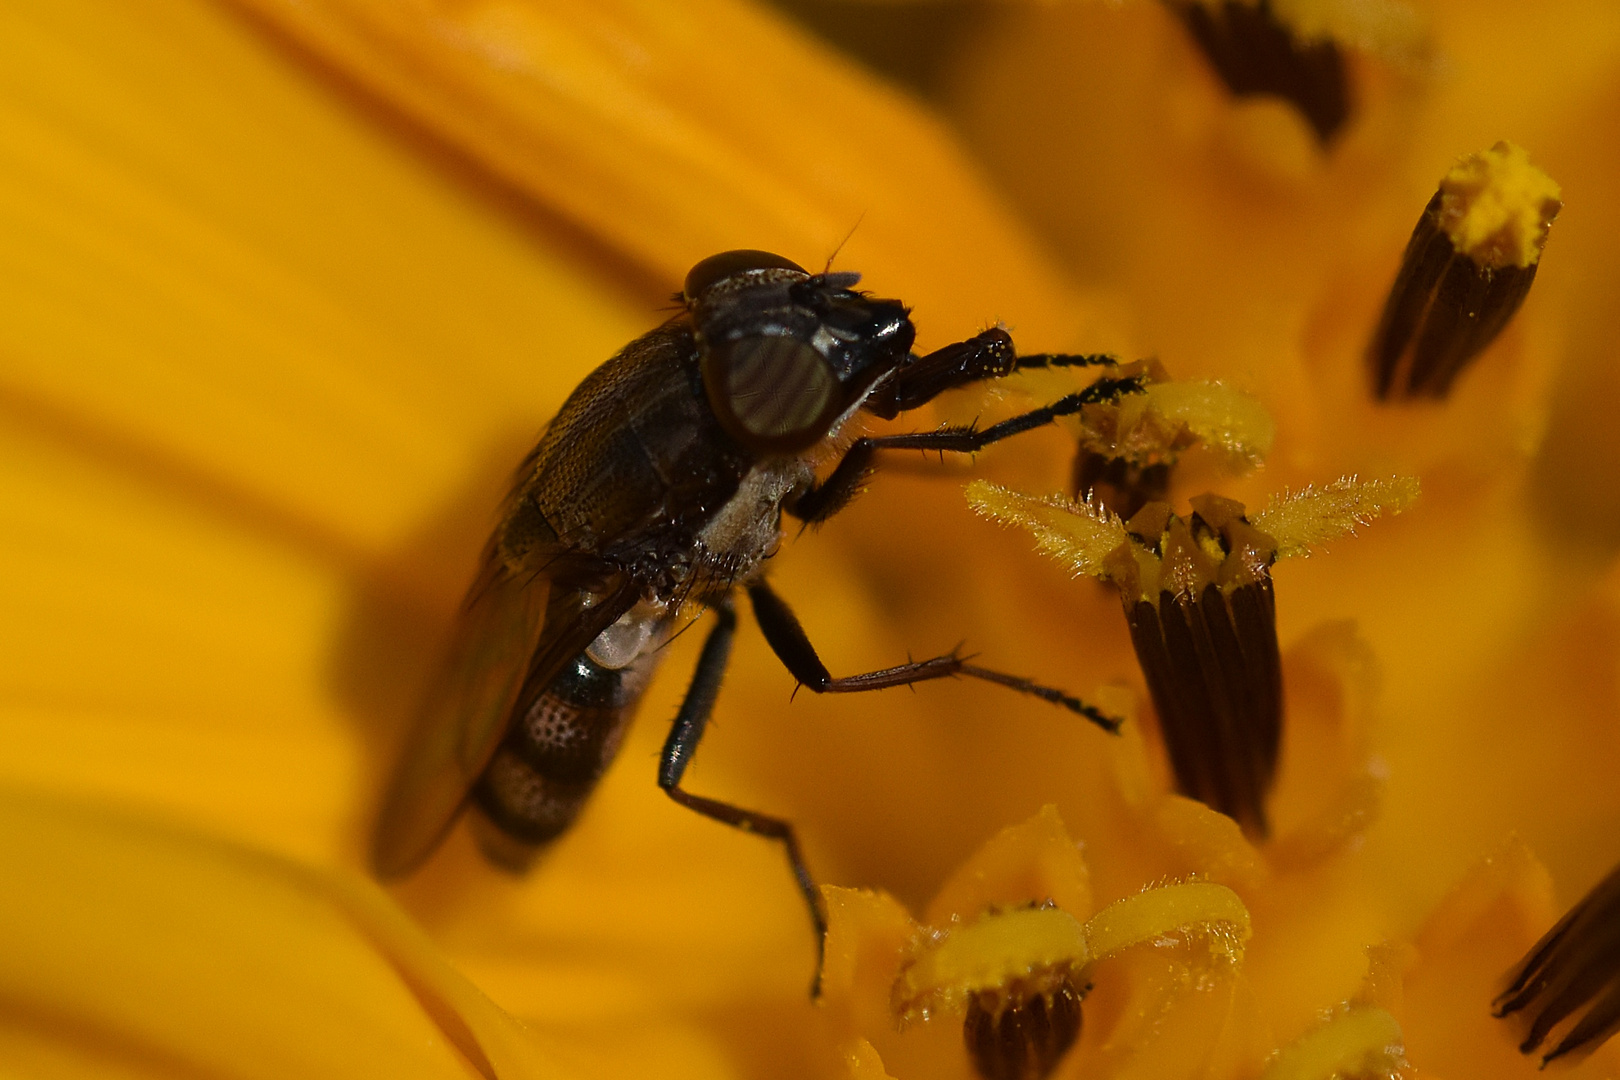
1497,207
1301,520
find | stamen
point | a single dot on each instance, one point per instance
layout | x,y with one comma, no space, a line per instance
1311,517
1082,535
1572,972
1254,52
1467,268
1122,485
1019,975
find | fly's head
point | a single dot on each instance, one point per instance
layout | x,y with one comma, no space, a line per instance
787,354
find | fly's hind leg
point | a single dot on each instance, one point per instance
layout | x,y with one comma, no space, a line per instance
791,645
683,739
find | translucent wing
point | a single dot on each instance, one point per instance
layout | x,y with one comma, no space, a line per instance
515,633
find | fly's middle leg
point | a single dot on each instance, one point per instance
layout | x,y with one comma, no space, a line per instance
683,739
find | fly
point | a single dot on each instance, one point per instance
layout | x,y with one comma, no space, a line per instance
661,483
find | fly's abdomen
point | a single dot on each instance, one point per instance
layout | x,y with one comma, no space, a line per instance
553,756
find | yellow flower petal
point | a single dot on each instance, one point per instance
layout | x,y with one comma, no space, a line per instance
228,282
863,1062
1034,861
867,934
673,136
140,943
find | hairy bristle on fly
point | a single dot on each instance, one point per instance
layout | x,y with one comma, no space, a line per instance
1570,980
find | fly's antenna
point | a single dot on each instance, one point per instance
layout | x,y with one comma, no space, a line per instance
841,243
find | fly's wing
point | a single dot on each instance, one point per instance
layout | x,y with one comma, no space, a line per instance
516,632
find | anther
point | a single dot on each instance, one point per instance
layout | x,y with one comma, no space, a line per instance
1467,268
1254,53
1570,980
1207,642
1021,1031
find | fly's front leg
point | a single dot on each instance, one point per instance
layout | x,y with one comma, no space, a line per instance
791,645
683,739
988,355
821,502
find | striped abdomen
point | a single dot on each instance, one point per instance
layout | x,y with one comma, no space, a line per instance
553,756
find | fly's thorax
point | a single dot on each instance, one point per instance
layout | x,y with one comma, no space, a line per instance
748,528
634,460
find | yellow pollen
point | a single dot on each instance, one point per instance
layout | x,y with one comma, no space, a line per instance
1497,207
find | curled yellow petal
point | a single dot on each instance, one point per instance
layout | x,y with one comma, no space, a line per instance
1361,1042
1199,906
1301,520
867,934
1080,535
862,1061
1033,860
988,954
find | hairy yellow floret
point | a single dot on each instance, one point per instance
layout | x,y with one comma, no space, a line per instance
1301,520
1080,535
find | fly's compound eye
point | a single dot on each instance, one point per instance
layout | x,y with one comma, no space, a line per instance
728,264
773,394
